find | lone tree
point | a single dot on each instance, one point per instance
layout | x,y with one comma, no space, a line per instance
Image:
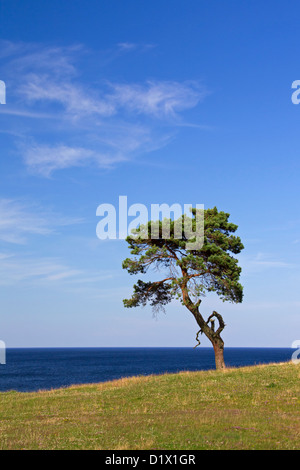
189,273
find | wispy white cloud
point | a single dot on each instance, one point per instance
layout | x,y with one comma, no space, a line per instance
75,101
13,49
261,262
131,46
5,256
119,120
127,46
19,220
15,269
157,98
44,160
25,113
27,57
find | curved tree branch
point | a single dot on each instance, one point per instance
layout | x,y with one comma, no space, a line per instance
197,339
220,320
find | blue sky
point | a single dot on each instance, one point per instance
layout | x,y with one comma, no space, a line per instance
164,102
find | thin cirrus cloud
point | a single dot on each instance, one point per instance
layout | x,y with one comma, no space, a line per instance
46,159
19,269
127,46
24,58
158,99
75,101
45,271
19,220
131,46
121,120
261,262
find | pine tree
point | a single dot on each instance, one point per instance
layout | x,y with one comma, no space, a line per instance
190,274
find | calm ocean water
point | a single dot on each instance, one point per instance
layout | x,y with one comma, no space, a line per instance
37,369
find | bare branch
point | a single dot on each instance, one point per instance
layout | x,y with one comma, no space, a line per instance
197,339
220,320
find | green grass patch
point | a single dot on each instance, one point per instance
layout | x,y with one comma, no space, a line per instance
245,408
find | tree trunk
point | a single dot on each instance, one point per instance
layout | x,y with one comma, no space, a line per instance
209,331
213,336
219,354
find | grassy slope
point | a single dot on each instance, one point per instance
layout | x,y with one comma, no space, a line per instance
247,408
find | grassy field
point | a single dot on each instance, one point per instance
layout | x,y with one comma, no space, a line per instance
247,408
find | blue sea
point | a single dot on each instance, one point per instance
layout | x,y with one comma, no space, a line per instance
46,368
